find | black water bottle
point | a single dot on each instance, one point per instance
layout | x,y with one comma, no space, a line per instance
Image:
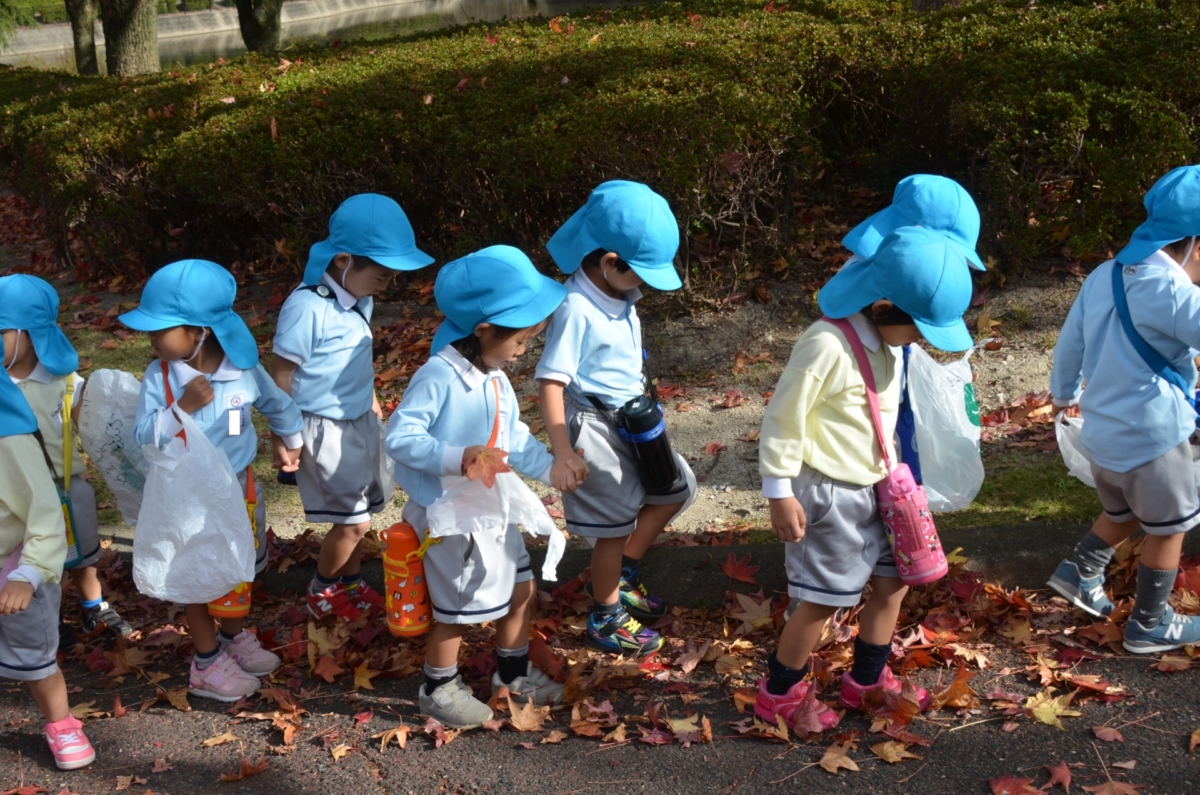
643,426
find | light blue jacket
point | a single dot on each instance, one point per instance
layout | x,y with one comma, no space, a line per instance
234,392
1131,415
450,405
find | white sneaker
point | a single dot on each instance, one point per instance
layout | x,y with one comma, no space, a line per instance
535,686
222,680
249,654
455,705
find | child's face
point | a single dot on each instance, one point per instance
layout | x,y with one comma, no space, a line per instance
360,282
175,343
18,349
499,353
895,335
618,281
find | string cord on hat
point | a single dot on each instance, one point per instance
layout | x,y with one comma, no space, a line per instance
199,345
1191,247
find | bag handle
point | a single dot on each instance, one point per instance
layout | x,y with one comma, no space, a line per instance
68,440
1157,363
868,377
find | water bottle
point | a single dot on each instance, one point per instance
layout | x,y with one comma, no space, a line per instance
642,426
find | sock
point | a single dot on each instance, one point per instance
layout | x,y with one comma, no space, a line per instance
350,581
224,638
604,612
88,604
436,677
782,678
869,661
1150,601
512,663
320,583
629,568
205,660
1091,555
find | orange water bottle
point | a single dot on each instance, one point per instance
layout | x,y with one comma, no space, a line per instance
408,613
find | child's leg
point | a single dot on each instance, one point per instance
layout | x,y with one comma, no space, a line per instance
606,569
876,625
800,636
1157,571
512,635
441,654
87,583
202,630
339,551
50,694
651,521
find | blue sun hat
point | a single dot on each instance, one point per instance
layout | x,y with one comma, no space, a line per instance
195,292
918,270
629,219
1173,207
925,200
367,225
31,304
16,417
496,285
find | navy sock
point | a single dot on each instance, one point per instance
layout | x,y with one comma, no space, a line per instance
602,612
629,568
351,581
205,660
88,604
782,678
869,661
224,638
512,663
320,583
436,677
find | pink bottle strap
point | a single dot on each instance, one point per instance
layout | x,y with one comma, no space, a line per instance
868,377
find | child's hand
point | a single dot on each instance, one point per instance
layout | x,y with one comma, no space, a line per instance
286,459
375,407
787,519
14,597
569,471
196,395
469,453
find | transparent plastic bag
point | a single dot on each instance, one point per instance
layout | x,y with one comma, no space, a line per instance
469,506
947,429
1069,433
387,467
107,418
193,542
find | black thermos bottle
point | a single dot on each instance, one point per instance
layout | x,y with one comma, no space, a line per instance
646,431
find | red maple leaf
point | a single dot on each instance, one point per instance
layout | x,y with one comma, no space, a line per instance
740,570
327,668
1011,785
1059,774
486,464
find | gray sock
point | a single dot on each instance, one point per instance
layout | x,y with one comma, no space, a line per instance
1153,588
1091,555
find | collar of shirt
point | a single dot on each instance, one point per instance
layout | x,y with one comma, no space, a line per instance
344,298
1162,259
39,374
867,333
185,373
467,371
613,307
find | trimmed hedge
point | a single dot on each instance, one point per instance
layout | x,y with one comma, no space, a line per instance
1057,117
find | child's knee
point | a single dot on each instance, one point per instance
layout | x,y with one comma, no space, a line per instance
355,531
523,594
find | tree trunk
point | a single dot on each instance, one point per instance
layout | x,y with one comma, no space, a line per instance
130,36
83,30
261,24
932,5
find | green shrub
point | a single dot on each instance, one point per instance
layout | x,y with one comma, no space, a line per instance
197,5
1057,117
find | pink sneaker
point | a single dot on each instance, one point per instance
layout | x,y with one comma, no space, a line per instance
366,598
249,654
799,706
69,744
853,693
223,680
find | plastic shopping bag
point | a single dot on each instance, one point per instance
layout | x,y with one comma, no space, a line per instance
1069,433
106,421
469,506
387,466
193,542
947,429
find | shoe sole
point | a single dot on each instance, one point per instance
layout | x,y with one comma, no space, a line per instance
1155,648
77,763
464,727
639,652
1071,594
195,691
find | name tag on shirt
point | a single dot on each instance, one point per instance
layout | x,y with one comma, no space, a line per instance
237,406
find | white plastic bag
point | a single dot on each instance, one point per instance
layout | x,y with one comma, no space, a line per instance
469,506
106,421
1069,433
193,542
947,436
387,466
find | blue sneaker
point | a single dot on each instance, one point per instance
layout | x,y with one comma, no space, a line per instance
621,633
636,600
1087,595
1172,632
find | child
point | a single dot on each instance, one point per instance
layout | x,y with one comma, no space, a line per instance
592,365
33,546
323,359
42,362
820,460
457,404
207,365
1140,419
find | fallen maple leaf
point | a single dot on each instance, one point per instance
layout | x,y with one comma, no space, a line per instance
486,464
1011,785
246,768
363,676
740,570
1047,709
1194,743
1059,774
119,710
529,718
617,735
836,758
742,360
892,752
398,733
1115,788
179,698
1173,663
1129,765
733,398
712,448
555,737
125,782
959,694
1108,734
328,669
220,739
339,751
162,766
779,730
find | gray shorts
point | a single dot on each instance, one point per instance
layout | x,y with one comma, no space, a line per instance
85,523
844,543
1162,494
471,577
339,469
261,552
29,639
606,505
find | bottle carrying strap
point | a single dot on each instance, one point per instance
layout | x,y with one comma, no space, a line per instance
496,421
68,440
868,377
170,397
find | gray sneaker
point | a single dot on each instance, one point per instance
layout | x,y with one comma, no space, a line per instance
455,705
1087,595
1173,632
534,686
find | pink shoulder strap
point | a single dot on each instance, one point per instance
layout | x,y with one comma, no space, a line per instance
868,377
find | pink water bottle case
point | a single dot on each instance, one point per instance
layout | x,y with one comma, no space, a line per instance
903,506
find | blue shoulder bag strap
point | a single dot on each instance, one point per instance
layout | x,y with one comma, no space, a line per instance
906,426
1153,359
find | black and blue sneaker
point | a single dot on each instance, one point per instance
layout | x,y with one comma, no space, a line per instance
1088,595
620,633
1173,632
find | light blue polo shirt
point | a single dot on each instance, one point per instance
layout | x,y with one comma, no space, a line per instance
594,345
1131,416
448,406
330,339
226,420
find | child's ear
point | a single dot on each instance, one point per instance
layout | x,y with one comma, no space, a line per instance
341,261
482,327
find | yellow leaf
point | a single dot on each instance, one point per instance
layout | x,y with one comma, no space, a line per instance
339,751
363,676
892,752
220,739
179,698
680,725
836,758
1194,743
81,711
954,557
730,664
1047,709
554,738
398,733
529,718
985,325
617,735
594,39
780,729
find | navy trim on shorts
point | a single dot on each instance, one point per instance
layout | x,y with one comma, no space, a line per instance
504,606
592,524
1191,515
1122,513
823,590
28,669
340,513
524,569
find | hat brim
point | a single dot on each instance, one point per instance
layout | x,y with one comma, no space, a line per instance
864,239
953,338
141,321
446,333
850,289
540,307
320,255
54,350
660,277
571,243
1139,248
236,340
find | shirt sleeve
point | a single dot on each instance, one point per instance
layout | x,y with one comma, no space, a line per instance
298,329
29,494
802,386
563,352
408,439
526,454
152,405
1066,376
282,413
